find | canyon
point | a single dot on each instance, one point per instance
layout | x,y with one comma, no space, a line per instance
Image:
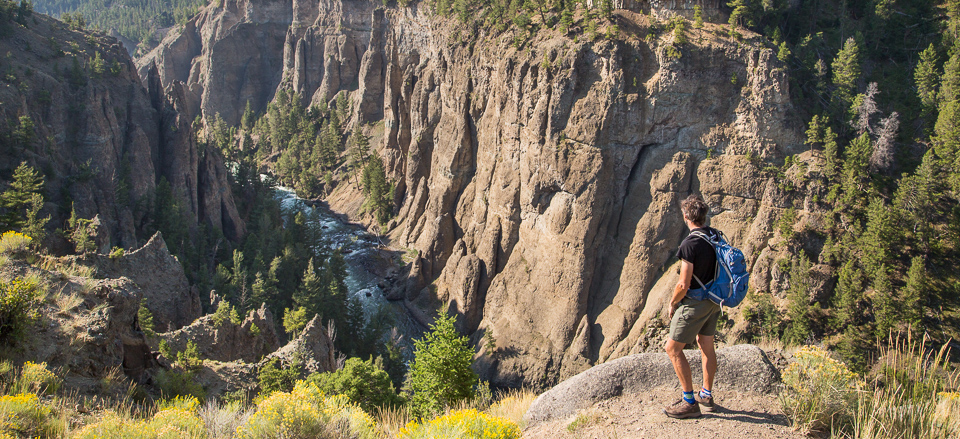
539,183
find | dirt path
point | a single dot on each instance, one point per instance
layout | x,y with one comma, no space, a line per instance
738,415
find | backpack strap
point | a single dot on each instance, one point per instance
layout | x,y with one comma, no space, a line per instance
709,241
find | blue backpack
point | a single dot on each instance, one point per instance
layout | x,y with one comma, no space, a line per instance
729,286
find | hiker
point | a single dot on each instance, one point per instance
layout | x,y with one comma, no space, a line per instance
692,319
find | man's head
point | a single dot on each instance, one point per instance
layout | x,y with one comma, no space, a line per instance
694,210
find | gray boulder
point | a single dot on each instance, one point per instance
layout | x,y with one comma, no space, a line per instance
741,368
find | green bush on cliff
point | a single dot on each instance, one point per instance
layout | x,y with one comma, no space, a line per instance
364,382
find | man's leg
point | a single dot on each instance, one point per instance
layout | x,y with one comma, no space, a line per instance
708,357
680,365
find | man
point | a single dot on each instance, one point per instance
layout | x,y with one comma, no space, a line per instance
692,319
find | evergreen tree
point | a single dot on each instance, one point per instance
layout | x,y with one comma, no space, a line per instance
831,153
875,242
18,198
798,311
926,78
849,292
913,294
310,295
884,304
846,74
440,374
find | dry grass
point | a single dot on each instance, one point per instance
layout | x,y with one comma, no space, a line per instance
391,419
66,269
913,394
66,303
223,420
585,418
512,405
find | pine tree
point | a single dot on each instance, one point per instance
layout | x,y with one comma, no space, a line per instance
846,73
884,304
926,78
27,182
697,17
875,243
913,295
947,129
440,374
831,153
848,294
798,311
310,295
34,226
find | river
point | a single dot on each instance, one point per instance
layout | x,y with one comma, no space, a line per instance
364,259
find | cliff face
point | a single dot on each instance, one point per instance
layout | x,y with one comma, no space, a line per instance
540,184
100,138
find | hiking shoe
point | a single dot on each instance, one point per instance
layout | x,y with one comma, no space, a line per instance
706,404
682,410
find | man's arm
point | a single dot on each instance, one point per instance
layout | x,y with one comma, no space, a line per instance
686,274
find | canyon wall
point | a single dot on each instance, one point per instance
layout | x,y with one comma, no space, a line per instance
102,140
539,182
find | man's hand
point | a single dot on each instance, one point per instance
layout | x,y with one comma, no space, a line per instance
686,273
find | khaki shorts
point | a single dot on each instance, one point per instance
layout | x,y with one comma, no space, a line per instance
692,318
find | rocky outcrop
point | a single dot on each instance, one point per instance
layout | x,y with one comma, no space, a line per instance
172,301
89,328
228,341
313,349
743,368
165,291
102,140
540,184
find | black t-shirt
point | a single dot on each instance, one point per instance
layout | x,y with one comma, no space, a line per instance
700,253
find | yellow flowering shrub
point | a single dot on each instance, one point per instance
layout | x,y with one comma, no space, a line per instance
463,424
307,412
168,423
37,378
14,243
23,415
818,389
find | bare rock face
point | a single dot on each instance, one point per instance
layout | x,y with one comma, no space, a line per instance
102,140
541,184
228,341
742,368
313,348
168,295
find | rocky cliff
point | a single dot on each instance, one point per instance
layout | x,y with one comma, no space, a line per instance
539,180
73,106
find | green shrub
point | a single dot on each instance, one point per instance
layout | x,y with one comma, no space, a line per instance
364,382
174,383
275,378
819,390
464,424
18,308
307,413
189,358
